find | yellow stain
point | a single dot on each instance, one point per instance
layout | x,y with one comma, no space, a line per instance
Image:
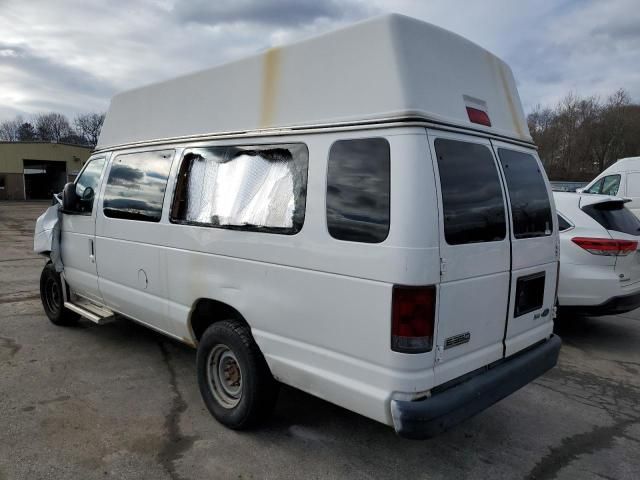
270,77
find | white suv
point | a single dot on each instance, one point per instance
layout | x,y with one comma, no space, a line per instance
599,259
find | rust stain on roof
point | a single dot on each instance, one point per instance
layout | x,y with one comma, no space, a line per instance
270,77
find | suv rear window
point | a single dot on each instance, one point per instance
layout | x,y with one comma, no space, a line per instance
530,206
614,216
471,194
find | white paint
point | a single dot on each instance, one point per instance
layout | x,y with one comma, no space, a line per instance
388,67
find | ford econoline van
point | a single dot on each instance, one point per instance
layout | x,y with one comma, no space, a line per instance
622,179
362,215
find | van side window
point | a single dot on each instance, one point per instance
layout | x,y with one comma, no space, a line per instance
358,184
87,184
256,188
471,194
596,187
530,206
136,185
610,185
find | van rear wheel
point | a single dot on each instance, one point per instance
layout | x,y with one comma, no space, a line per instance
234,379
52,298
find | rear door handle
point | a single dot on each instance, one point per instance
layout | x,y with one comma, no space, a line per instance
92,257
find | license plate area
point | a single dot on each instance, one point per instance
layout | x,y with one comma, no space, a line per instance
529,293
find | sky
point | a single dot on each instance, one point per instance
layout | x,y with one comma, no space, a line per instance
71,56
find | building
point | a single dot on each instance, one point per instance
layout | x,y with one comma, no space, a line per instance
36,170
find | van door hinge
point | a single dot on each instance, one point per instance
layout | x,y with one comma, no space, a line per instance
439,351
443,265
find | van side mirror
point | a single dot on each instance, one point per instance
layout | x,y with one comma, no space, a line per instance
70,197
579,190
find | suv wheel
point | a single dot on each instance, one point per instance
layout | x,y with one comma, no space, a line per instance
52,298
234,379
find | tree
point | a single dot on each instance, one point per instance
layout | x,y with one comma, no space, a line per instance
580,137
26,132
88,125
52,127
9,130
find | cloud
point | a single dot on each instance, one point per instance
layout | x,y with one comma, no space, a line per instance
281,13
72,55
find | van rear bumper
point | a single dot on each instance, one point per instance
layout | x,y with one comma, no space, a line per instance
433,415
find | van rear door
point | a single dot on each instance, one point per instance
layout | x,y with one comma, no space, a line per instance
534,247
475,255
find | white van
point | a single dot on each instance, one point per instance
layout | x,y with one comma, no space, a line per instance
361,215
622,179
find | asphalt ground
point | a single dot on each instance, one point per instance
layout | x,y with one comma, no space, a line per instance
120,401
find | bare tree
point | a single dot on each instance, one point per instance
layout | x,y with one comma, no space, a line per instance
10,130
88,126
580,137
52,126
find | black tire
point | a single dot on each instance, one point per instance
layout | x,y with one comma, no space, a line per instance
52,299
224,346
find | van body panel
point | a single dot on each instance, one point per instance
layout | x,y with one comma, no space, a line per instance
474,288
531,256
322,352
420,71
133,271
77,244
340,291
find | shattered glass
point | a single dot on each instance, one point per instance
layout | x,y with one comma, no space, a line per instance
246,187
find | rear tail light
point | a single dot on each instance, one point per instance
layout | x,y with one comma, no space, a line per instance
478,116
412,317
606,246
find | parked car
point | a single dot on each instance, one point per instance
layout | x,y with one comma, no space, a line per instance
374,229
621,179
560,186
599,258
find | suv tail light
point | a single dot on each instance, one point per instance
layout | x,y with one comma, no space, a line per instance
606,246
412,317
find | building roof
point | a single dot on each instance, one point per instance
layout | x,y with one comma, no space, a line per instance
390,67
42,142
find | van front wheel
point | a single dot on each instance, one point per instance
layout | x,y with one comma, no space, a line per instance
234,379
52,298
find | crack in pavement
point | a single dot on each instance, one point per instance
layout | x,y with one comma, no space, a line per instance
618,400
176,443
573,446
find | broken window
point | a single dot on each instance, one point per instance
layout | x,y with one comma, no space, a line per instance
258,188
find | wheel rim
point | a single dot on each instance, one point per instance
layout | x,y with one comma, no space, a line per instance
224,376
52,297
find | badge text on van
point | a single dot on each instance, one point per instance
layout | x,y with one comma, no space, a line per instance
457,340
